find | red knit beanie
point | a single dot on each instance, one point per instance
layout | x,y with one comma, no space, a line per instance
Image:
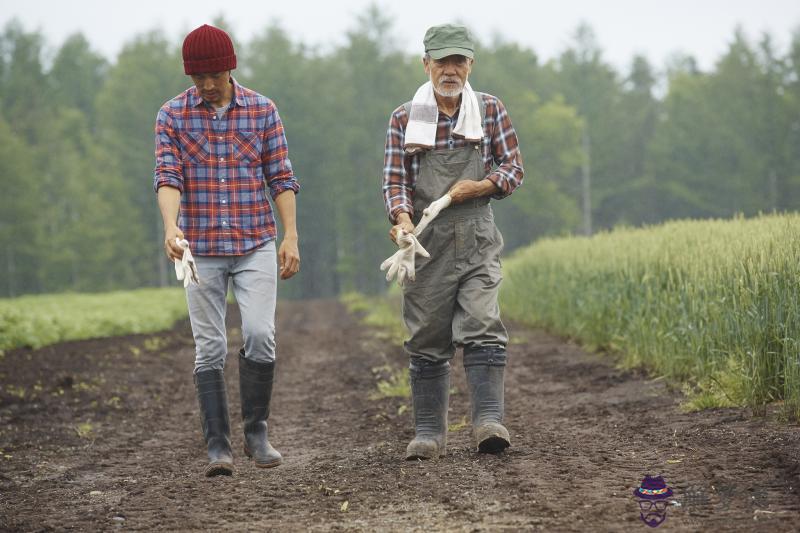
208,49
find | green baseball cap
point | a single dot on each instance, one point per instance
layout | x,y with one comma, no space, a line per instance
447,40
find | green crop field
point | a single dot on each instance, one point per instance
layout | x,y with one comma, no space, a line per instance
710,304
35,321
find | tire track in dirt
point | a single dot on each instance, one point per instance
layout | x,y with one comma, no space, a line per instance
583,436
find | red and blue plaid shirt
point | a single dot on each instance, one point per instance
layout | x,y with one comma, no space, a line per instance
220,166
502,159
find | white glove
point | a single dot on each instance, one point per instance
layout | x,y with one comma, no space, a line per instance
431,212
402,262
186,269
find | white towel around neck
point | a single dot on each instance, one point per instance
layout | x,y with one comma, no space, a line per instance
421,128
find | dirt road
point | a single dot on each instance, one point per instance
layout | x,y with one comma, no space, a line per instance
104,435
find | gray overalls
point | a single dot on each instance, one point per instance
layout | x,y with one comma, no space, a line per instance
453,301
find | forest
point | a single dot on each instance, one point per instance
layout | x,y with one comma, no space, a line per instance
603,147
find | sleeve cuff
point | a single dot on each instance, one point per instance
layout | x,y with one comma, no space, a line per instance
167,181
499,181
277,187
400,209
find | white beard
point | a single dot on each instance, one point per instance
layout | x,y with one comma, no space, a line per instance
448,93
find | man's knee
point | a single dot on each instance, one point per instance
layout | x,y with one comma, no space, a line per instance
485,355
209,360
259,344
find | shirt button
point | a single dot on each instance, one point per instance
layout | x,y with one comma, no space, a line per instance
224,201
222,180
222,159
214,117
224,223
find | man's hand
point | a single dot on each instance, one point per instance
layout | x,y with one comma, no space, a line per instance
401,264
173,251
468,189
289,257
403,223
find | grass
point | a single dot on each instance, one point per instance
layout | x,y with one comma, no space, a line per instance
36,321
709,304
380,312
395,384
383,314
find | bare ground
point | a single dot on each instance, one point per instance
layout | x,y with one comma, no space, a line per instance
105,434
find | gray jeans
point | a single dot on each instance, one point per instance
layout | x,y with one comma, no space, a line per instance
254,279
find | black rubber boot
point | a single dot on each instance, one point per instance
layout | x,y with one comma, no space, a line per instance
484,368
255,387
430,392
213,401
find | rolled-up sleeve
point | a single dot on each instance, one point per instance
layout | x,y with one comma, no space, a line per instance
397,183
275,157
168,170
508,174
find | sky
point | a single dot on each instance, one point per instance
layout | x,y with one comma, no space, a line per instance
653,28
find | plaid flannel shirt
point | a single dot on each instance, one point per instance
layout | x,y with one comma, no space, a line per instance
220,167
501,156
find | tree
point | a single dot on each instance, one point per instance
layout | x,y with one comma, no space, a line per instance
147,73
77,75
591,85
19,210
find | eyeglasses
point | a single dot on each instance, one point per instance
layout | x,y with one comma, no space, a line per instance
660,505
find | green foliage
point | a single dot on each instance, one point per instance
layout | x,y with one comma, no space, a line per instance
77,146
380,312
396,385
712,303
36,321
18,211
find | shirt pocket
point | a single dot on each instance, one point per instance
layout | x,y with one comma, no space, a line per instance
247,146
194,147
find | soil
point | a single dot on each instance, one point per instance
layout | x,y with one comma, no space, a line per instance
105,434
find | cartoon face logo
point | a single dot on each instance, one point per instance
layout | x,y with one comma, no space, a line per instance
652,497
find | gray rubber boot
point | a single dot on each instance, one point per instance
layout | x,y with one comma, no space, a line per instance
255,387
430,391
485,368
213,400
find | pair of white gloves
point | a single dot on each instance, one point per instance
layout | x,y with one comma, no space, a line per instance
401,263
186,269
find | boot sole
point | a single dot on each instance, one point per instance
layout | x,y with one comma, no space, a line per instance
491,438
493,445
268,465
219,469
423,457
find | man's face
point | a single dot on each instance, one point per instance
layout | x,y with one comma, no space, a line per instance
212,86
449,74
653,513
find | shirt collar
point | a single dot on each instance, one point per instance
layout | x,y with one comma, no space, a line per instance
238,98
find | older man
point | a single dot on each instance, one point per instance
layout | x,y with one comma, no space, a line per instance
217,144
450,139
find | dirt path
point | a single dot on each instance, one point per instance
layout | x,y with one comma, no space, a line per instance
105,434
